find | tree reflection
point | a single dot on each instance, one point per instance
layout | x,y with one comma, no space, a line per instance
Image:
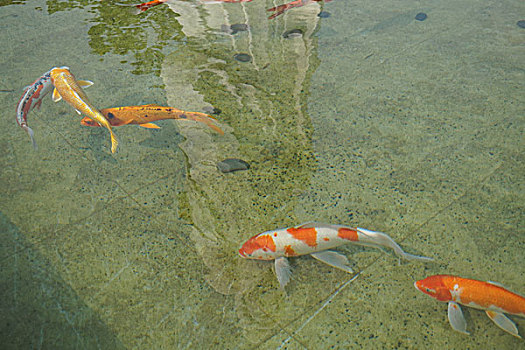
117,30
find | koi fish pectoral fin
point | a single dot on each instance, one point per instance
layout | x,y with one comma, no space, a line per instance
313,224
283,271
456,318
150,126
503,322
85,83
38,104
333,259
56,95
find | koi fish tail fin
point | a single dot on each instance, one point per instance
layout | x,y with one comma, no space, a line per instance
31,135
409,256
206,119
368,237
114,142
133,9
136,9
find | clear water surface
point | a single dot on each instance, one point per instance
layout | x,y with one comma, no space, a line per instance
365,117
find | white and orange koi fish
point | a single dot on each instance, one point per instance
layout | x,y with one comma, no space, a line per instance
32,97
315,239
70,89
494,299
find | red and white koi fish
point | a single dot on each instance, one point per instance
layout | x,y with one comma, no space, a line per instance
32,97
315,239
493,298
279,10
68,88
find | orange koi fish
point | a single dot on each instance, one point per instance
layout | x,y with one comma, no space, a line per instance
32,97
147,5
68,88
494,299
144,115
315,239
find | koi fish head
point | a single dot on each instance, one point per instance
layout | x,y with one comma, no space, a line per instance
435,287
260,247
59,70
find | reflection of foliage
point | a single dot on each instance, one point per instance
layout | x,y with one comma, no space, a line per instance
117,30
57,6
11,2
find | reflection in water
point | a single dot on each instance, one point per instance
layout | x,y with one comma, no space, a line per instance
116,30
262,102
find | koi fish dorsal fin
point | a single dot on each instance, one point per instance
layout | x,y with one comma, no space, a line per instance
497,284
150,126
312,224
85,83
152,105
56,95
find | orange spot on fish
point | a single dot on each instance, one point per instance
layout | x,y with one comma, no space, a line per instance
307,235
264,242
348,234
275,234
288,251
326,239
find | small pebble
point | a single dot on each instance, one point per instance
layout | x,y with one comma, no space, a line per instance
421,16
294,33
242,57
324,14
521,23
232,164
238,27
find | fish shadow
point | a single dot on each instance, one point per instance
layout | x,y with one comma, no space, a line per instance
166,137
96,139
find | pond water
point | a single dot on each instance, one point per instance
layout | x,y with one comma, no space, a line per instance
347,112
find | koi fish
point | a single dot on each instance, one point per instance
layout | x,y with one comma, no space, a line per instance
144,115
70,89
493,298
32,97
149,4
279,10
315,239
